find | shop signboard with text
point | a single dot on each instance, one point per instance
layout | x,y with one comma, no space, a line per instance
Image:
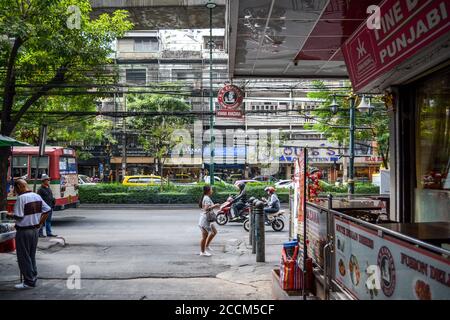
320,154
381,267
230,99
406,26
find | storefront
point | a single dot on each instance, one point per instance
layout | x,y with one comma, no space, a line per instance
399,247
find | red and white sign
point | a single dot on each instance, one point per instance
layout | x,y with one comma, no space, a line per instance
230,99
407,26
374,266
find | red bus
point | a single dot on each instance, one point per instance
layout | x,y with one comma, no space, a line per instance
59,163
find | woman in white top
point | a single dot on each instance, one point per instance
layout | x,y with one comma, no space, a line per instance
207,227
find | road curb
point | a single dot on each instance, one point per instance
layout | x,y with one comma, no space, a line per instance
137,206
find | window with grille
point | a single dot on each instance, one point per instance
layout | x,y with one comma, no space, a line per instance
148,44
136,76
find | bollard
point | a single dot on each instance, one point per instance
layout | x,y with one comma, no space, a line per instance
250,228
253,226
260,232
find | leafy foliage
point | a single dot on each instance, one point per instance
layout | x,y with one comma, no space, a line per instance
42,52
156,132
378,121
69,131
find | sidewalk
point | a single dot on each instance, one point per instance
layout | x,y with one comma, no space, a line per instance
8,261
246,271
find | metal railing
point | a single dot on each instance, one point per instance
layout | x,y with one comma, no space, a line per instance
393,233
328,267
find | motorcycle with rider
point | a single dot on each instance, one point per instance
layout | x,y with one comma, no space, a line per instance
236,208
273,216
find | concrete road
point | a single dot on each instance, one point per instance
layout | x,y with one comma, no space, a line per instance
144,253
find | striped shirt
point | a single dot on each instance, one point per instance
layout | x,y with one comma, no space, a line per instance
28,209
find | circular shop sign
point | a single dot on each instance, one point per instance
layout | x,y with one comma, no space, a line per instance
230,97
387,270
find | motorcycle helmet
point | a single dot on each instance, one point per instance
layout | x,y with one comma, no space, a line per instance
313,170
269,190
241,186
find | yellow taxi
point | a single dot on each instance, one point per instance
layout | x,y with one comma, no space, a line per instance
142,181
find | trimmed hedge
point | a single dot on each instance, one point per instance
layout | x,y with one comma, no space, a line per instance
119,194
360,188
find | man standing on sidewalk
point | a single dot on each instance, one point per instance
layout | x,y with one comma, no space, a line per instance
30,212
47,195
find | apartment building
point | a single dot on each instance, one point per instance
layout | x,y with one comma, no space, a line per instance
146,60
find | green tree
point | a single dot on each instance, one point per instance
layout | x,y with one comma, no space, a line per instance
62,130
156,132
49,44
329,124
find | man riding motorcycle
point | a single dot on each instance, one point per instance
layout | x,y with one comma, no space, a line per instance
239,201
273,203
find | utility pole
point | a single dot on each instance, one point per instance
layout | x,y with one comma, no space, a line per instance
124,148
211,5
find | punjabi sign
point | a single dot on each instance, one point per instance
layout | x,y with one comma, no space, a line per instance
406,26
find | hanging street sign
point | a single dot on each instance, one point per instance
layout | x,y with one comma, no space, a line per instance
230,99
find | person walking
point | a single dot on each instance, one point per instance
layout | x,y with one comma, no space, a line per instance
207,227
30,213
47,195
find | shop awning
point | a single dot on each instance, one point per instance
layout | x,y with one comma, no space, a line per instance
10,142
267,36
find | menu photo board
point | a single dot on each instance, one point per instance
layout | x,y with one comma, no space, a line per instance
381,267
296,200
300,192
316,233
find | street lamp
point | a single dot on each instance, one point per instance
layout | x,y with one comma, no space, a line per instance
334,107
363,107
351,171
211,5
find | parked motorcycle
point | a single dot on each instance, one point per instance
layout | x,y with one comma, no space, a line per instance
224,215
275,221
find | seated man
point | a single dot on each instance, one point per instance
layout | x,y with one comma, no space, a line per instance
273,204
239,201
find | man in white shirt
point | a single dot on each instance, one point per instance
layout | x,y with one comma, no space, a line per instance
30,213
